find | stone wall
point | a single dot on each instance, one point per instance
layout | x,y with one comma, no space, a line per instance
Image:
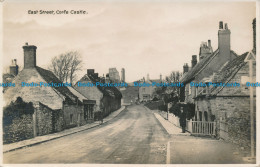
19,128
57,121
231,109
73,115
18,121
232,115
92,93
43,119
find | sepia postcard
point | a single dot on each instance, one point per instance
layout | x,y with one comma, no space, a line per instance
129,82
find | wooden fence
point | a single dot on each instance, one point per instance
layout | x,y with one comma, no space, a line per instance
194,127
201,127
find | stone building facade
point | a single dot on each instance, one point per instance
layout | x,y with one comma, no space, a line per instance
113,75
209,63
147,93
228,107
53,106
108,99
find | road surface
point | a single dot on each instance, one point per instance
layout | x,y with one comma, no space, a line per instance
134,137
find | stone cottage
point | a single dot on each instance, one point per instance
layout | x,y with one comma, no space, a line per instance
147,93
209,63
229,107
108,99
55,107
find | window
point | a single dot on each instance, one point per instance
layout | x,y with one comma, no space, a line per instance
90,111
200,115
71,118
205,115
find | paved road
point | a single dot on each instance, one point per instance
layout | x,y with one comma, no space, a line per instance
197,150
134,137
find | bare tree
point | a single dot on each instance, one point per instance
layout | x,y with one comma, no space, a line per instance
173,77
66,65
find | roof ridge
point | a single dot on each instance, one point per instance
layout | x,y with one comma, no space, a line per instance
198,67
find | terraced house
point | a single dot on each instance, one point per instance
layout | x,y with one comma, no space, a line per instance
52,108
227,107
108,99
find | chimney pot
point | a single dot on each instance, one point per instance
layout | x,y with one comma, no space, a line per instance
209,43
221,25
226,26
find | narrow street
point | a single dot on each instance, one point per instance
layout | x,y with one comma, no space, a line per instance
135,136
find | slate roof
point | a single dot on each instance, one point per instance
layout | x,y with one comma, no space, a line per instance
108,91
197,68
155,80
228,72
79,95
7,76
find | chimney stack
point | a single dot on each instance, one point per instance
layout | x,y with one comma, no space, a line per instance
226,26
29,56
90,71
161,77
224,42
14,68
185,68
95,75
194,60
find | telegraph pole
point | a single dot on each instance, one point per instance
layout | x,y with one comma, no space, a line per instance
250,59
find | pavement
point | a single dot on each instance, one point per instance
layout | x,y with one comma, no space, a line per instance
183,148
136,135
45,138
169,127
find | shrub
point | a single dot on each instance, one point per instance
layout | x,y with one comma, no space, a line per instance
188,109
176,109
162,108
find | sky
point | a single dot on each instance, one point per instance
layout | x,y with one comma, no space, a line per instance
142,37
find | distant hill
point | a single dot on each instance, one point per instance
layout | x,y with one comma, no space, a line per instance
130,93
